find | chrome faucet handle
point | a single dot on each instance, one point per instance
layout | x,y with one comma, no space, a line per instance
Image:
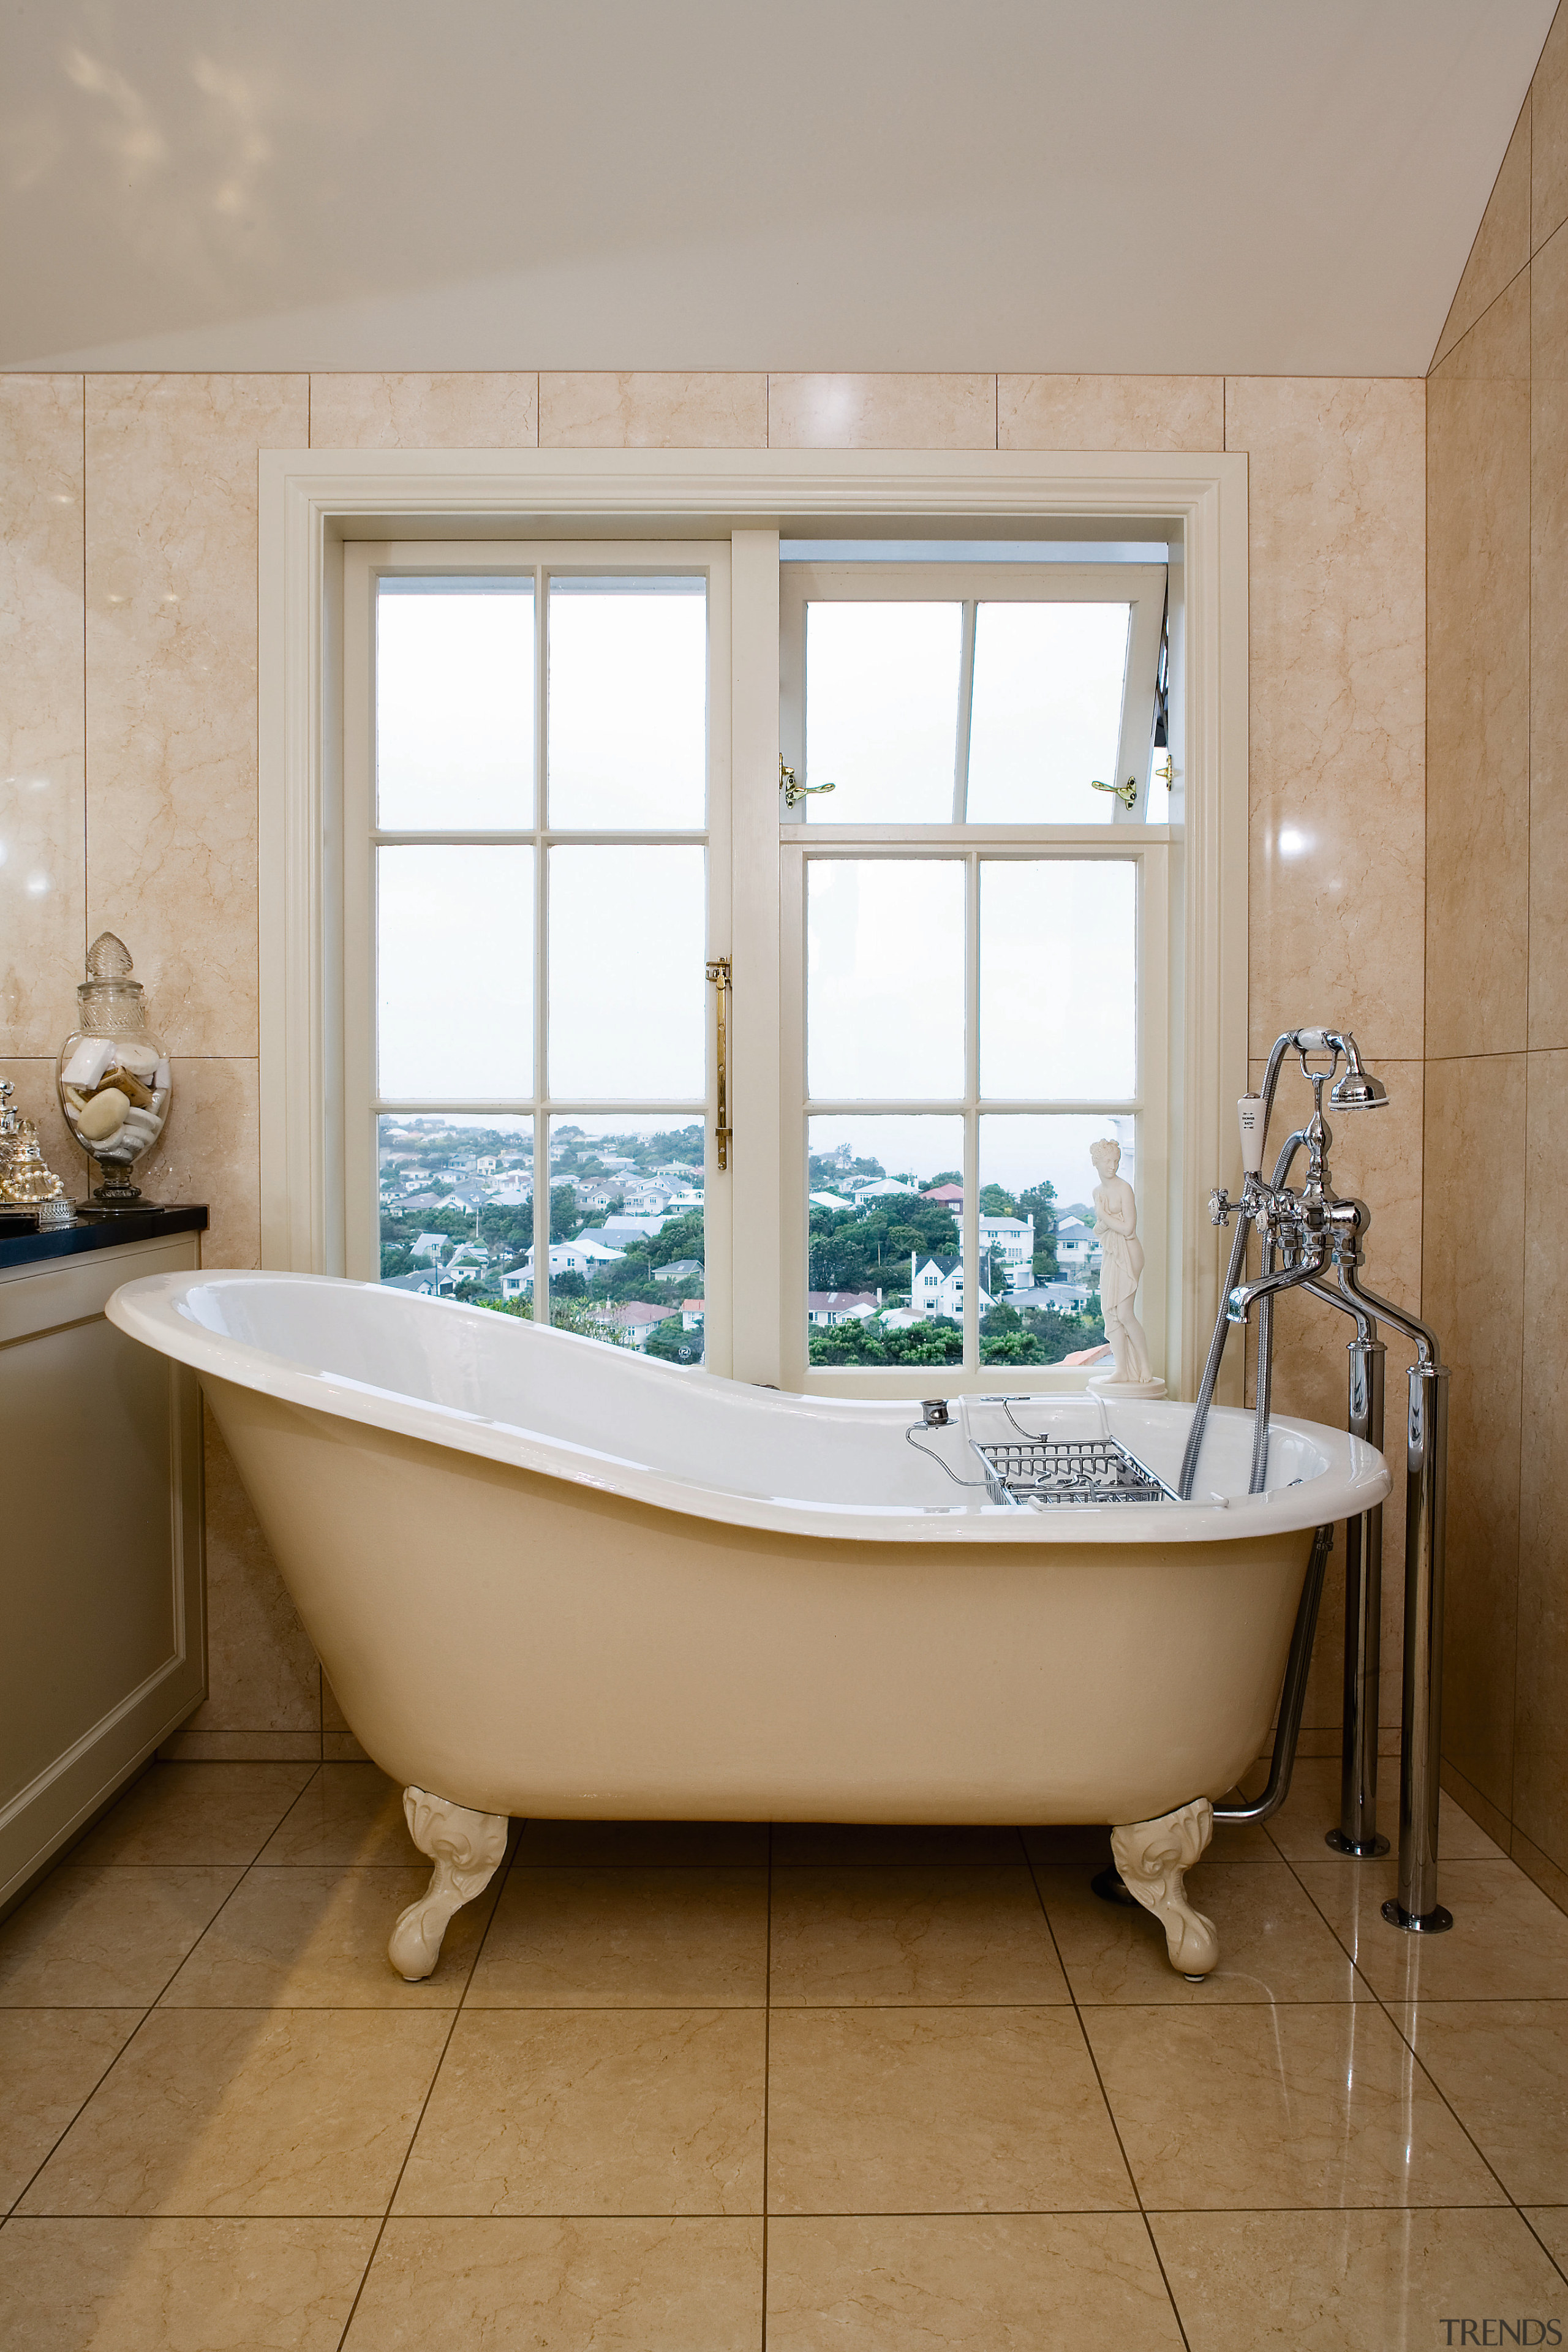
1222,1208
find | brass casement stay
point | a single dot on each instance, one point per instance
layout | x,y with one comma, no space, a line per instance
719,973
794,791
1167,775
1126,794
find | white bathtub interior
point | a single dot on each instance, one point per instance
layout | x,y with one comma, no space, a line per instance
499,1373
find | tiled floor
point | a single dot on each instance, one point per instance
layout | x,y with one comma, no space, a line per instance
685,2088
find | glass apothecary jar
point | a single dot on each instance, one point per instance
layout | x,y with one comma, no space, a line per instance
113,1075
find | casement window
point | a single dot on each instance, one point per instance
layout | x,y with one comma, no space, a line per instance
971,946
584,993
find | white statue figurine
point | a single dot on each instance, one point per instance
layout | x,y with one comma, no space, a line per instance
1120,1268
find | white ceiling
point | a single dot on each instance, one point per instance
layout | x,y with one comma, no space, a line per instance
1145,185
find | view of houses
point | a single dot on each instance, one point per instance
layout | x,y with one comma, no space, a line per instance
886,1275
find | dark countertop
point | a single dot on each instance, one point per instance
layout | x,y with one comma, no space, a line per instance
149,1225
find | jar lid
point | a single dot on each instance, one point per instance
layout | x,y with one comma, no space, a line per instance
108,968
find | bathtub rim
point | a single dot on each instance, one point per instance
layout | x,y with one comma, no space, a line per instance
149,1310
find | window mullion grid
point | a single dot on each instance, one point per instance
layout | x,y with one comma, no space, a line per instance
965,713
541,1300
969,1244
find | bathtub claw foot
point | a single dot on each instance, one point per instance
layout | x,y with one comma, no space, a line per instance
1153,1857
466,1848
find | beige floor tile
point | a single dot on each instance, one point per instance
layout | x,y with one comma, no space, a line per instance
1508,1941
51,2061
1312,1809
196,1813
944,1844
313,1938
626,1939
1273,1944
597,1845
966,2282
1549,2223
106,1938
594,2111
1287,2106
180,2286
1502,2065
303,2111
349,1813
936,2111
1352,2282
517,2285
882,1934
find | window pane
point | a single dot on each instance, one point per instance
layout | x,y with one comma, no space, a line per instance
1039,1253
1049,683
627,1010
455,972
881,711
626,1235
457,1202
628,703
1058,978
885,1275
884,977
454,705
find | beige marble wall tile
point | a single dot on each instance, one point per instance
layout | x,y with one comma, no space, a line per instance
1552,1881
1549,635
171,668
882,411
1478,762
1473,1296
211,1151
1502,241
1336,543
1110,412
262,1673
43,851
1549,136
646,411
1541,1764
409,410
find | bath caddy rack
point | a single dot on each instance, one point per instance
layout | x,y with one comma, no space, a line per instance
1058,1471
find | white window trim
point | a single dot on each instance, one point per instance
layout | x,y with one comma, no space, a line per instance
310,500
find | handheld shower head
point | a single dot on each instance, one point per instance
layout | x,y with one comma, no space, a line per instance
1358,1089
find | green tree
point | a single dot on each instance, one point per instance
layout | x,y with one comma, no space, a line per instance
1040,1202
672,1342
565,1222
995,1202
396,1258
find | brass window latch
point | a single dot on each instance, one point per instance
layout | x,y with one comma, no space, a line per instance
719,973
1167,775
794,791
1126,794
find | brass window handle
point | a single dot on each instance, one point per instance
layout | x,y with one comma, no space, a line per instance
1126,794
794,791
719,973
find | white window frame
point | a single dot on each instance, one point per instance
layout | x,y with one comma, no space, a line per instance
312,502
366,561
813,832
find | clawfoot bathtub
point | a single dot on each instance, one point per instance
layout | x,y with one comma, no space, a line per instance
552,1578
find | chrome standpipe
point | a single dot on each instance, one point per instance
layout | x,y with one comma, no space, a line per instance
1310,1232
1357,1833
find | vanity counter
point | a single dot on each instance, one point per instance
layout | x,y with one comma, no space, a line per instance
150,1225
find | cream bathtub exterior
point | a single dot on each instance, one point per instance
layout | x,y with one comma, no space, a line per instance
549,1578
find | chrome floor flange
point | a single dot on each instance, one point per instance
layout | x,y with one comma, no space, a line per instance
1434,1922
